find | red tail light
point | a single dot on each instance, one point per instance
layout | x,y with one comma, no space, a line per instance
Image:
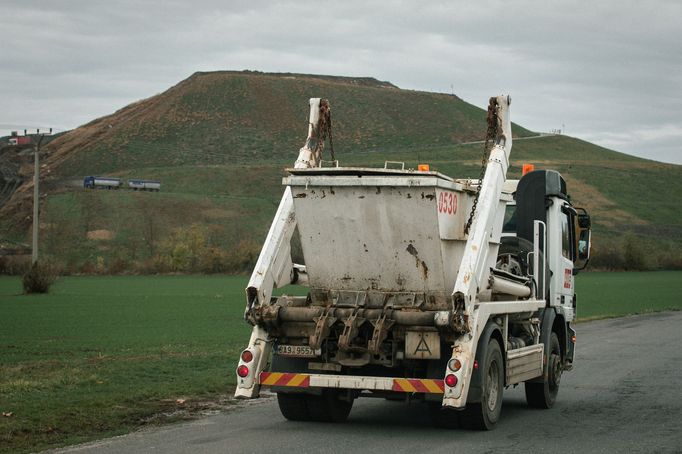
475,364
451,380
247,356
242,371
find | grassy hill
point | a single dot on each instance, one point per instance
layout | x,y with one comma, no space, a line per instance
230,117
219,141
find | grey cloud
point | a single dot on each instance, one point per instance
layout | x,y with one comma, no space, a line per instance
610,71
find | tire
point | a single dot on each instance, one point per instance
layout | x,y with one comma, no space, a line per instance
445,418
293,407
328,407
543,395
484,415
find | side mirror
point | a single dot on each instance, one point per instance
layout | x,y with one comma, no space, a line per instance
583,236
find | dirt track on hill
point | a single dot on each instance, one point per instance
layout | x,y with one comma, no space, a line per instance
623,396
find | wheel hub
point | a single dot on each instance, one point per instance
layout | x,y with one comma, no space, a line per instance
493,386
555,370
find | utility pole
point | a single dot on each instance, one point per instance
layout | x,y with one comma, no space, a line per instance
36,195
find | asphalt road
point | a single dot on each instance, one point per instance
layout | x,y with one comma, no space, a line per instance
624,396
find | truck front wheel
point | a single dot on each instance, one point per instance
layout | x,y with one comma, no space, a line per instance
543,395
484,415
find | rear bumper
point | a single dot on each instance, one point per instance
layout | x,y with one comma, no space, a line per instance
405,385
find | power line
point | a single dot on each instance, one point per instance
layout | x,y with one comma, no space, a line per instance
21,127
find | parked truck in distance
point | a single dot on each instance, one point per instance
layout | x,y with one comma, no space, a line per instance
136,184
420,286
144,185
92,182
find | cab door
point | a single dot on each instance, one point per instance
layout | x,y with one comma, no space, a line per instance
565,281
561,255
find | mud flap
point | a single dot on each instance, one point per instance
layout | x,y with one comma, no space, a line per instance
476,386
570,351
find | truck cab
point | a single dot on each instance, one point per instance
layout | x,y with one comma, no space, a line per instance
541,198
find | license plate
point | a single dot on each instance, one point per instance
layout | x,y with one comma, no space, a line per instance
302,351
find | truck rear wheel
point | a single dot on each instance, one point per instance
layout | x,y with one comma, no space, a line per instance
484,415
329,407
543,395
293,407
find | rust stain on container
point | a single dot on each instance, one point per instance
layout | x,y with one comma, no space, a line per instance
420,263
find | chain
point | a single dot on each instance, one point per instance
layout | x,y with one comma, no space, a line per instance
331,140
491,134
324,129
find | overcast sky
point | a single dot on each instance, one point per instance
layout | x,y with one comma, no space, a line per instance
609,71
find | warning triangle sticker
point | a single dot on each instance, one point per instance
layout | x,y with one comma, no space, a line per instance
422,346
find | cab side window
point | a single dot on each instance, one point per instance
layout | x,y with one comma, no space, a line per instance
565,237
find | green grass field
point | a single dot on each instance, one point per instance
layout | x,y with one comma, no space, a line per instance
100,356
603,295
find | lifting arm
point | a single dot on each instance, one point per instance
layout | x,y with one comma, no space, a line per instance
274,267
473,268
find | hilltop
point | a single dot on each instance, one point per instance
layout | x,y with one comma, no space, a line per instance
218,141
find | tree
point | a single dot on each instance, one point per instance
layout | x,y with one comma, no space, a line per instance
634,253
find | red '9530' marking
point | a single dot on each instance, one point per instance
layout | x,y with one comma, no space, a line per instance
447,203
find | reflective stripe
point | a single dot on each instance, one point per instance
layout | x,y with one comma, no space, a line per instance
434,386
284,379
404,385
418,385
299,379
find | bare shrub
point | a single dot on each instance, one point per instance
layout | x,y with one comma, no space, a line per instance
15,265
607,256
213,260
242,258
39,278
182,249
634,253
118,265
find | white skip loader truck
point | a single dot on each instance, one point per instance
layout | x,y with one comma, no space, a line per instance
420,287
